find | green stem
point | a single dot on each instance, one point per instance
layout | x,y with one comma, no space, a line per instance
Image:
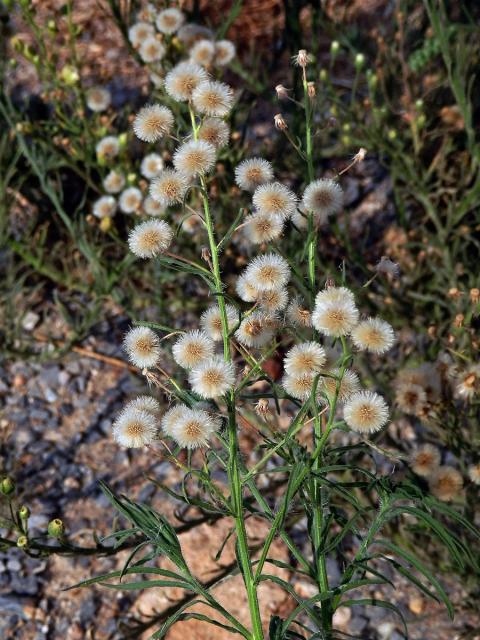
312,234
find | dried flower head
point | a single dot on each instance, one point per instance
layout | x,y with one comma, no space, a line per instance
98,99
147,13
214,131
302,58
130,200
299,386
194,427
152,207
298,314
150,238
135,427
445,483
108,147
151,50
335,313
323,198
139,32
349,384
142,346
262,227
211,321
411,398
151,166
114,182
169,21
281,91
145,403
169,187
306,357
152,122
171,418
388,267
105,207
279,122
212,378
256,330
194,157
373,335
425,460
365,412
268,271
272,300
202,52
474,473
253,172
193,348
183,79
275,199
224,52
213,98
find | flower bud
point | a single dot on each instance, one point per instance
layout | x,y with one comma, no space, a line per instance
334,48
24,512
359,61
392,134
105,224
56,528
69,75
419,104
22,542
7,486
323,75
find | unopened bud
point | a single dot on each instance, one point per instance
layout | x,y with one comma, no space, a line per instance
24,513
105,224
323,75
280,122
359,61
392,134
282,92
7,486
334,48
56,528
22,542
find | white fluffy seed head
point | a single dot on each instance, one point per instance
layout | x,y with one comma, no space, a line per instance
411,398
152,122
130,200
139,32
298,314
108,147
224,52
273,300
299,386
213,98
150,238
253,172
373,335
151,50
152,207
268,271
202,52
349,385
183,79
193,348
114,182
212,378
245,290
189,33
425,460
262,227
151,166
195,157
194,427
105,207
214,131
98,99
169,187
169,21
474,473
335,313
275,199
171,418
211,321
306,357
142,346
145,403
446,483
323,198
257,329
365,412
135,427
